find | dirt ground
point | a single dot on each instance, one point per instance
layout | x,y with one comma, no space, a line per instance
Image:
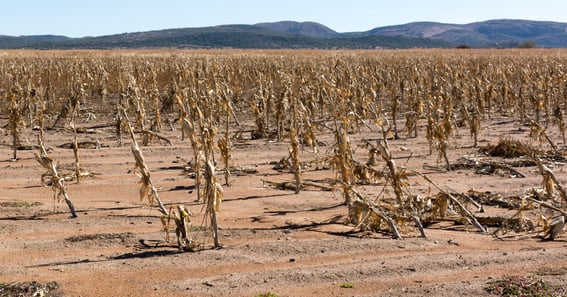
274,241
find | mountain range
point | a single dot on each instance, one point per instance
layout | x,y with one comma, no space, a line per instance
289,34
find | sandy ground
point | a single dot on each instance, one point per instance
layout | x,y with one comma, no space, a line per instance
273,240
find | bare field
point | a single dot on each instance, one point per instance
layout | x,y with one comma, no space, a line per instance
272,239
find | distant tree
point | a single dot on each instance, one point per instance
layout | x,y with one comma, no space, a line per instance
527,44
463,46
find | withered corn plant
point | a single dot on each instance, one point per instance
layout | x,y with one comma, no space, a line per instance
558,118
294,145
74,104
188,130
297,94
342,163
411,124
224,143
539,133
178,213
226,155
38,96
550,182
475,126
147,190
395,177
15,120
52,177
181,216
212,192
119,121
362,212
260,107
367,215
438,137
138,104
407,207
153,93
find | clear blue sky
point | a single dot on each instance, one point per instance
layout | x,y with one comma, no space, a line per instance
76,18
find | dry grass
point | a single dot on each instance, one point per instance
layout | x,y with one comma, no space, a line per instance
509,148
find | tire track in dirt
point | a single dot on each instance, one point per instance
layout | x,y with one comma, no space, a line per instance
227,271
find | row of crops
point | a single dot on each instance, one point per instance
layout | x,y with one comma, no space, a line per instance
298,97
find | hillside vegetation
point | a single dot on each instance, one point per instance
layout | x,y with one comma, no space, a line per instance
311,35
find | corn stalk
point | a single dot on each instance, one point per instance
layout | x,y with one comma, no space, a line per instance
342,162
178,213
16,120
188,130
56,180
147,190
181,217
394,176
74,109
213,192
474,125
550,182
224,143
558,118
537,132
294,149
224,147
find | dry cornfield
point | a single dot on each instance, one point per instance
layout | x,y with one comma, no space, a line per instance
326,157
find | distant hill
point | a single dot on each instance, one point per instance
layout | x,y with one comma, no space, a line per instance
303,28
24,41
260,36
493,33
289,34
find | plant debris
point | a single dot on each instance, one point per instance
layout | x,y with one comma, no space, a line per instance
100,236
523,286
30,289
508,148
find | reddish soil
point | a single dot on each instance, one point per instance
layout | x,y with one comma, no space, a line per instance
273,240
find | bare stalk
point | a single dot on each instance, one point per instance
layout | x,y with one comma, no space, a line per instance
188,130
213,192
147,189
16,121
550,182
56,180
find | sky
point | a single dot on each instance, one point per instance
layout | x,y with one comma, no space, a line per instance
75,18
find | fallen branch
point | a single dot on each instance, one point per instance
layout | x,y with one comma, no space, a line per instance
547,205
292,186
82,145
154,134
